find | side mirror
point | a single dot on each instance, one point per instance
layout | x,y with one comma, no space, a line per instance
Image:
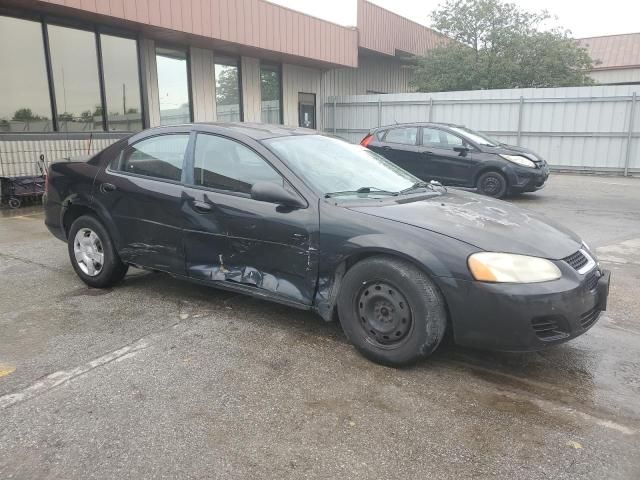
461,150
272,193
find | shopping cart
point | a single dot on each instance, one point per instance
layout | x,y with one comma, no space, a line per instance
15,190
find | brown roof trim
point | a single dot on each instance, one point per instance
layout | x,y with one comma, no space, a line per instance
256,24
387,32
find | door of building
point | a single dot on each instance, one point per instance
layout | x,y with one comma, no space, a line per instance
307,110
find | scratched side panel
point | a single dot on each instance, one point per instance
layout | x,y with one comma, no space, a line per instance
253,243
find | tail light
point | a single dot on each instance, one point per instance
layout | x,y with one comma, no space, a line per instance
366,140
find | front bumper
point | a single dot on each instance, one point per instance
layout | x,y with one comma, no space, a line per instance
525,317
523,179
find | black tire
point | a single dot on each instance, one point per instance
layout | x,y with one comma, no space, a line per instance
493,184
14,202
400,335
111,270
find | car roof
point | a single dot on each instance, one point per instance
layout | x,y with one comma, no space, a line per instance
418,124
257,131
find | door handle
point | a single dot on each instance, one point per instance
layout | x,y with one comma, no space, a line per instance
426,153
200,206
107,187
386,148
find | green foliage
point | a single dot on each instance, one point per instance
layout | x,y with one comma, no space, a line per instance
498,45
227,88
25,115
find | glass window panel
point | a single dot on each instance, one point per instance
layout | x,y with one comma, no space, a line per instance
75,77
173,86
121,83
270,91
228,165
403,136
158,157
25,105
228,107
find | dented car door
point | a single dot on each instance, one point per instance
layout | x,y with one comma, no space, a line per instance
230,237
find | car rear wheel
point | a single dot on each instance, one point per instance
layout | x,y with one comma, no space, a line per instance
391,311
92,253
492,184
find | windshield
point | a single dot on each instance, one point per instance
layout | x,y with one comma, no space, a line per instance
476,137
329,165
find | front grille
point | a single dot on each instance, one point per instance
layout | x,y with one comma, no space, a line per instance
587,319
592,281
576,260
548,328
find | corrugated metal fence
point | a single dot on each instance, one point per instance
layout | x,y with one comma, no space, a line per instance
19,154
593,129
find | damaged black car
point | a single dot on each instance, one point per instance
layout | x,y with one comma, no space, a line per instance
316,223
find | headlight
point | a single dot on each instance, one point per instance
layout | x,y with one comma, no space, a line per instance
520,160
509,268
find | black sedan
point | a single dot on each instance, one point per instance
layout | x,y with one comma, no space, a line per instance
458,156
319,224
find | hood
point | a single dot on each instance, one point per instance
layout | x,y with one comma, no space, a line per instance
505,149
491,225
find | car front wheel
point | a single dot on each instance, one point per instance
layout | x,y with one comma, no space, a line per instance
492,184
92,253
391,311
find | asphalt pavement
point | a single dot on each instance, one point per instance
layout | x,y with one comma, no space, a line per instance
158,378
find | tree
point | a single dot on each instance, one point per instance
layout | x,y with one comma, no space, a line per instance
498,45
227,89
25,115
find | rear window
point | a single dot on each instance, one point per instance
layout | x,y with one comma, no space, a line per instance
158,157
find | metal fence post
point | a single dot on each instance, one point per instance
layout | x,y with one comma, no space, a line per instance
521,104
379,111
431,109
632,115
335,115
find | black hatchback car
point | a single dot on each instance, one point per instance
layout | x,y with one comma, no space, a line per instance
316,223
455,155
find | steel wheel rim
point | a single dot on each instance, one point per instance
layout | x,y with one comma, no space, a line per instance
88,252
384,314
491,185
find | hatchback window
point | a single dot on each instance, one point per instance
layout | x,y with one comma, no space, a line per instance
225,164
403,136
433,137
158,157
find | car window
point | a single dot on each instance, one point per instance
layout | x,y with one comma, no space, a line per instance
433,137
225,164
450,140
158,157
403,136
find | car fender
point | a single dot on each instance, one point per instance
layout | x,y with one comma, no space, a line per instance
435,254
81,200
495,165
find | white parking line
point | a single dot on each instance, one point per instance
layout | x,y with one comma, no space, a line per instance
58,378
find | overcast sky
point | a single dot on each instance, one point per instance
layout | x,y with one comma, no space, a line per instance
585,18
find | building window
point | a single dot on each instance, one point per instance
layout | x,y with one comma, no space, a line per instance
25,105
74,62
173,86
228,96
271,93
121,83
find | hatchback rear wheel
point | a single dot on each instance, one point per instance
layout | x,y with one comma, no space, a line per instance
92,253
391,311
